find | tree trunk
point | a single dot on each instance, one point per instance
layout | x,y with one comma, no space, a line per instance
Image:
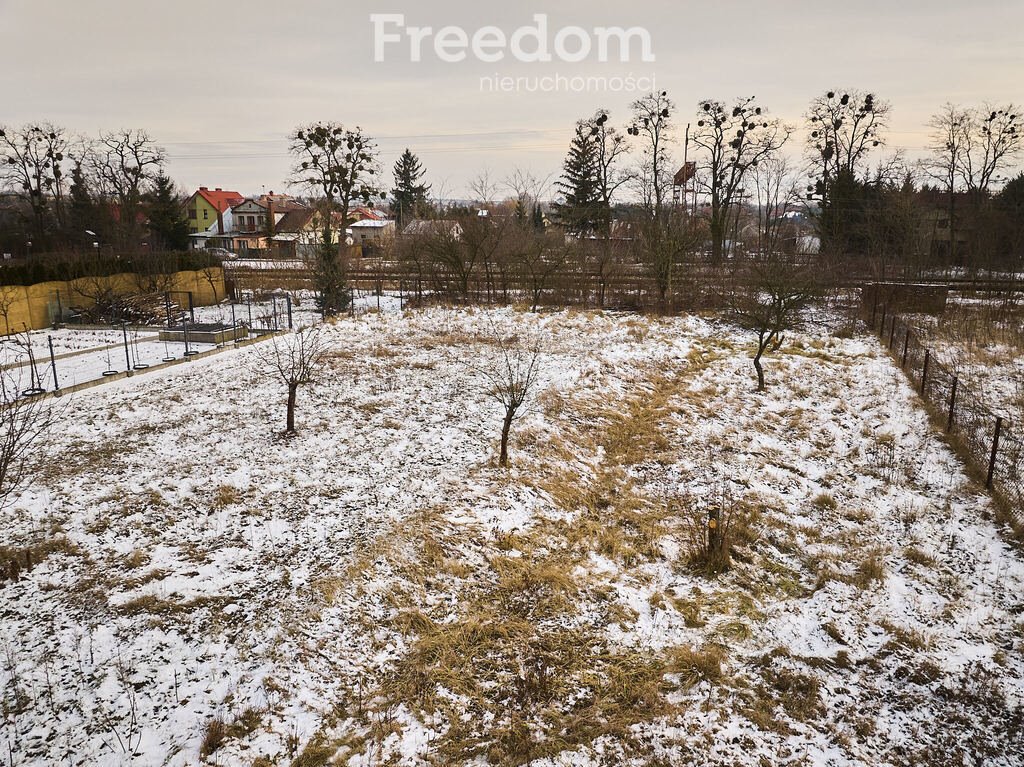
293,391
759,369
506,427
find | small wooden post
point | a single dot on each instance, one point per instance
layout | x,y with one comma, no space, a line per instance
906,345
952,403
714,531
881,328
924,372
995,451
892,333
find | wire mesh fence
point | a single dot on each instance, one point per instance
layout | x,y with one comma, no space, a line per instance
992,443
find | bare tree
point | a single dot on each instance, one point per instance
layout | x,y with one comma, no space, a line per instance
9,296
994,138
735,139
483,187
339,166
25,423
775,191
540,256
125,164
652,120
30,164
296,359
526,189
511,375
770,300
949,143
843,128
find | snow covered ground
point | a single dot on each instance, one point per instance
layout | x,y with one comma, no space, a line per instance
375,590
84,354
982,339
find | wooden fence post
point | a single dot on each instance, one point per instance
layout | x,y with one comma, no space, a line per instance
924,372
906,344
892,333
952,403
995,450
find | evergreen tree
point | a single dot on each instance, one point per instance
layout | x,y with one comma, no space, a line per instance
579,184
538,218
167,225
410,195
82,211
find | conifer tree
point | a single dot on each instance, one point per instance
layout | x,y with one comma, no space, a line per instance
410,195
579,184
538,218
82,210
167,225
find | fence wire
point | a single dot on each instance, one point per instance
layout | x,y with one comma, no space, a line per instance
992,443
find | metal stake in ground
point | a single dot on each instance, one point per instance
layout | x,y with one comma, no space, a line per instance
110,367
234,325
127,354
139,364
288,302
995,452
53,363
36,383
952,403
188,351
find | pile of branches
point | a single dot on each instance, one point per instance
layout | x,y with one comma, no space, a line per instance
135,309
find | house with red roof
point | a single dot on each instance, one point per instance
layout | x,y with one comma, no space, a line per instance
206,208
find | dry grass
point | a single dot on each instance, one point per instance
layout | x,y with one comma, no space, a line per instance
694,666
214,735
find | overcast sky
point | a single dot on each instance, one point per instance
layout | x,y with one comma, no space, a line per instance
219,85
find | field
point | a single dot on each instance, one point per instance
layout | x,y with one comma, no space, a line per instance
982,338
195,588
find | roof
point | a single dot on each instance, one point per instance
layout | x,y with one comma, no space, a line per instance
364,212
429,226
294,220
371,223
220,199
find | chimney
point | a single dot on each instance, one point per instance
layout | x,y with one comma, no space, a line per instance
270,215
203,189
218,189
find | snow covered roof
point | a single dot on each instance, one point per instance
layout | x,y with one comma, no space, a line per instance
370,223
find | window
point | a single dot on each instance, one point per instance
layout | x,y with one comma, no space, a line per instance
192,213
206,214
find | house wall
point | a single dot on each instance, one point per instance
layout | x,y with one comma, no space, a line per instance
34,306
200,224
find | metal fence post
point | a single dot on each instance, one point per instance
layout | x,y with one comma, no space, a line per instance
892,333
906,345
995,451
952,403
924,372
881,327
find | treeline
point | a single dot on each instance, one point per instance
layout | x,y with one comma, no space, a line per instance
861,200
65,193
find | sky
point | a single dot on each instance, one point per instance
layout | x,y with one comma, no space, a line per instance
220,85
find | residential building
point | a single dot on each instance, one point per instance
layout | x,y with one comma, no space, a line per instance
205,209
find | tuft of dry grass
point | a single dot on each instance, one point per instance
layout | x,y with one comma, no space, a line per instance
694,666
214,735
